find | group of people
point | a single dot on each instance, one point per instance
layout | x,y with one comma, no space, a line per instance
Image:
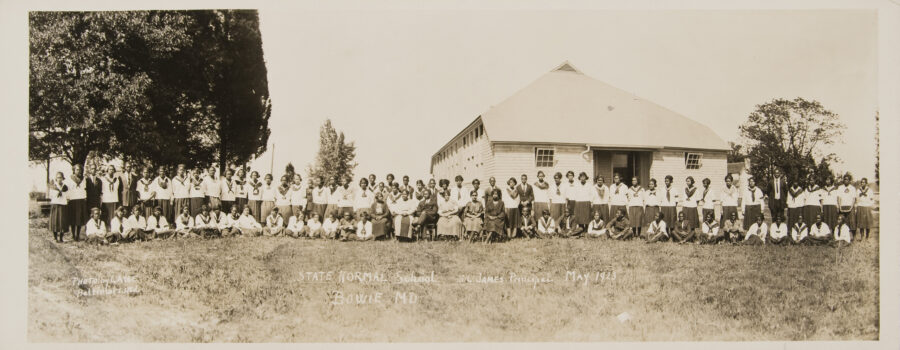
111,206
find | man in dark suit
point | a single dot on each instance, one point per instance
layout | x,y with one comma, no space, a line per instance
93,187
777,194
526,192
128,196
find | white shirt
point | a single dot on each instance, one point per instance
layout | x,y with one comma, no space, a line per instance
690,201
205,222
710,228
212,187
659,227
363,198
134,222
364,230
157,224
865,198
328,225
708,198
294,224
95,228
181,188
320,195
593,227
115,225
57,195
635,197
145,188
651,197
249,222
729,196
584,192
227,221
748,197
334,196
796,202
777,231
110,193
846,195
76,191
620,198
598,197
829,197
668,201
776,183
842,233
819,231
813,197
254,193
298,195
157,187
508,201
274,221
407,207
282,199
570,189
757,230
183,222
227,189
540,195
239,186
546,226
268,192
799,231
459,195
196,191
557,193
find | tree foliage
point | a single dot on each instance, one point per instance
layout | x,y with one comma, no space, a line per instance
790,134
336,155
736,154
160,86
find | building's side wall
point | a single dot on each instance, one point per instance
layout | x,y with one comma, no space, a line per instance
513,160
671,162
471,158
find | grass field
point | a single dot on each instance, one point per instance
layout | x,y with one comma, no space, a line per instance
255,290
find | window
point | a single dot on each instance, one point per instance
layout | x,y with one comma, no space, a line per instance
543,157
693,160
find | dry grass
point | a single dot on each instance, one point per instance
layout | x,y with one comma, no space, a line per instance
250,290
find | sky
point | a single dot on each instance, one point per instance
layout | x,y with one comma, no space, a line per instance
401,83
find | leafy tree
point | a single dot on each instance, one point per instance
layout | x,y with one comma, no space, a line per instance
336,155
790,134
736,154
289,170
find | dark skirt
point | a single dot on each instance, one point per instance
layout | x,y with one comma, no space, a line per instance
570,205
750,214
649,215
78,212
670,215
539,207
318,209
557,210
863,218
473,224
379,227
829,215
167,209
266,209
496,225
181,203
240,203
226,206
512,217
214,202
256,209
284,210
196,205
59,221
583,213
793,215
332,208
603,209
613,209
810,212
108,211
691,216
726,212
635,216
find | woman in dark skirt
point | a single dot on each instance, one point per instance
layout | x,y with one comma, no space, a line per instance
689,203
196,191
651,204
426,211
494,216
829,203
511,204
864,203
78,210
751,201
729,199
59,216
813,204
599,199
795,200
583,194
380,216
636,206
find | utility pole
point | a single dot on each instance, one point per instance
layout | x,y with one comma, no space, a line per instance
272,162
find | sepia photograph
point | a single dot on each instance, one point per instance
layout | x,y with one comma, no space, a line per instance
291,174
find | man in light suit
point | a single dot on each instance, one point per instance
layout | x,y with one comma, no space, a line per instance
776,194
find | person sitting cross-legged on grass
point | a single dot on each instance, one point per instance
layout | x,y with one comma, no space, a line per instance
297,226
317,228
619,227
184,223
346,226
363,230
596,228
527,224
205,225
248,225
799,231
733,228
546,226
229,223
842,233
95,229
158,225
657,231
114,235
819,232
682,232
778,232
135,227
568,225
757,232
710,232
274,224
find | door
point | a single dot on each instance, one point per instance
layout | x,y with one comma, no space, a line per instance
626,164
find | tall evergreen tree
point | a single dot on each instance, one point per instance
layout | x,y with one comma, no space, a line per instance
336,155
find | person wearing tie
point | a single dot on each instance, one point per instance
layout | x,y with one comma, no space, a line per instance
777,194
129,185
668,201
526,193
751,203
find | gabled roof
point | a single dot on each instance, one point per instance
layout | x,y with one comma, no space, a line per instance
566,106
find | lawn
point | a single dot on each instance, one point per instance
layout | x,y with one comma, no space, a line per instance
278,290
